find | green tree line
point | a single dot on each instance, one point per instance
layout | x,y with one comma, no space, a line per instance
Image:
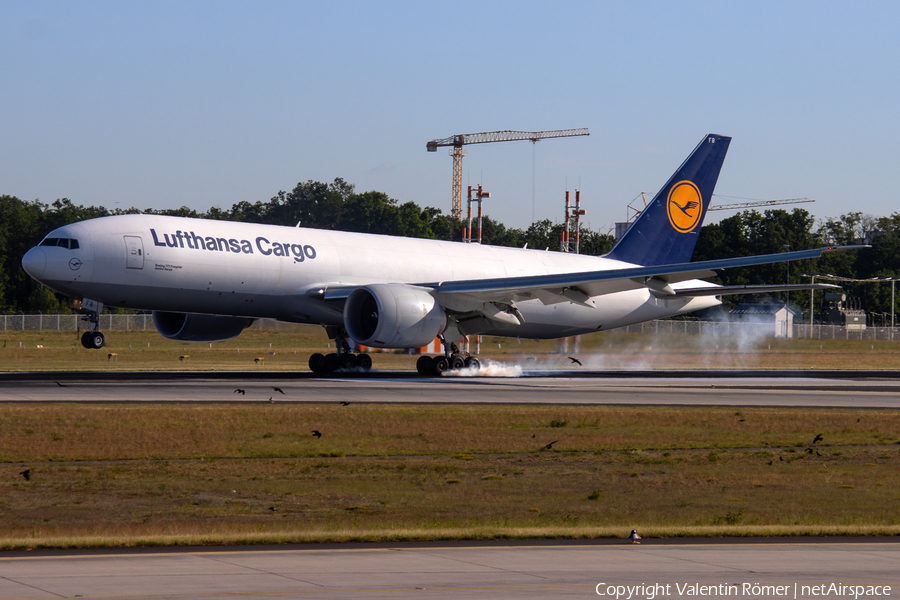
338,206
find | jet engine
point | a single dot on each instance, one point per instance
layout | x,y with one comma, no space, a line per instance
393,316
191,327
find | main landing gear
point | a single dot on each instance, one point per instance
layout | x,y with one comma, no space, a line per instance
450,361
343,359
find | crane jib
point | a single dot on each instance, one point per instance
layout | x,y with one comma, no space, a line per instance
502,136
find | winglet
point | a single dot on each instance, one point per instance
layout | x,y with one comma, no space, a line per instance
667,229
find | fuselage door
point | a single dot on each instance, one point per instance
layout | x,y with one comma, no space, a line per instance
134,252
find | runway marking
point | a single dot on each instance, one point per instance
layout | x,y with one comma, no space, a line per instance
340,591
603,544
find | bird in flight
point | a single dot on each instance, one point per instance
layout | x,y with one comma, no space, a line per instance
575,360
818,438
345,403
317,433
687,207
26,474
278,389
60,384
240,391
550,445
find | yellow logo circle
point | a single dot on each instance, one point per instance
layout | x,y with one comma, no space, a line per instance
684,206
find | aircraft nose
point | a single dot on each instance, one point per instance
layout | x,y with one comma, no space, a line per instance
34,262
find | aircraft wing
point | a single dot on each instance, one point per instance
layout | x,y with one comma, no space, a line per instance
579,287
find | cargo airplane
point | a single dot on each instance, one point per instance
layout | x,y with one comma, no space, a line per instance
208,280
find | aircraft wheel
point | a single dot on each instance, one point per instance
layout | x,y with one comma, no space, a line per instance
97,340
348,361
457,363
439,365
86,339
364,361
473,363
331,363
423,365
316,362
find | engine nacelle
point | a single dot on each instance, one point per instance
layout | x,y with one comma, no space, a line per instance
191,327
393,316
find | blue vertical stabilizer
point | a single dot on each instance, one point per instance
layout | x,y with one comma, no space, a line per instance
666,230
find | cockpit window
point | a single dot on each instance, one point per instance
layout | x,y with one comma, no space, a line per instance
61,242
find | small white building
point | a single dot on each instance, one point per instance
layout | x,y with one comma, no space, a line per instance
780,316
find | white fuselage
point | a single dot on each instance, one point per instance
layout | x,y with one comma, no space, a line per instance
175,264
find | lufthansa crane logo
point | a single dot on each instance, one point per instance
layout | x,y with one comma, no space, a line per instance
684,206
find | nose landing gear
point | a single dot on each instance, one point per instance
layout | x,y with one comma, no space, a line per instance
91,339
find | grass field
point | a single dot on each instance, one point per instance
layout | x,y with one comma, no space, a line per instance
289,349
137,475
121,475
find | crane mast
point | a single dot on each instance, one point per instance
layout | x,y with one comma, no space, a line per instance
456,143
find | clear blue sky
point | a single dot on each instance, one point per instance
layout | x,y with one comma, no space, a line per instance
163,104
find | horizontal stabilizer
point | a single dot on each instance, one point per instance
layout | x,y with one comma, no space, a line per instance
730,290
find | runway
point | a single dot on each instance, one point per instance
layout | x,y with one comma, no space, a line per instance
775,569
850,389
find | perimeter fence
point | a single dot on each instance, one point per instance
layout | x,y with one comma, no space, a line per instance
73,322
141,321
762,330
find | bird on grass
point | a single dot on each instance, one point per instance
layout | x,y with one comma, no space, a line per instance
770,463
272,508
818,438
809,450
817,453
278,389
271,400
550,445
576,361
317,433
240,391
781,458
26,474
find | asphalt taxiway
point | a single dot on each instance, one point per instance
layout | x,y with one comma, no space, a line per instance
850,389
772,569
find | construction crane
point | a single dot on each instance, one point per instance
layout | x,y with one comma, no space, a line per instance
456,142
758,203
